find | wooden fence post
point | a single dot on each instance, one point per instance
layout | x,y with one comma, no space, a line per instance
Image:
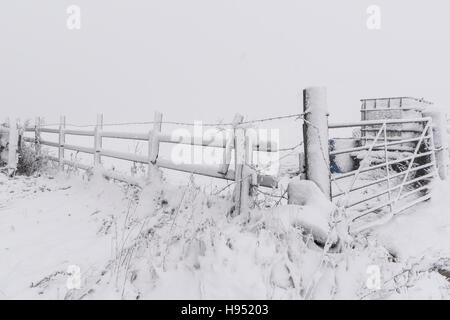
301,165
242,173
315,136
153,142
98,140
253,175
37,136
229,145
440,140
62,141
13,139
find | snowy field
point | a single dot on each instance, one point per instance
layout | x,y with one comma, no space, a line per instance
176,241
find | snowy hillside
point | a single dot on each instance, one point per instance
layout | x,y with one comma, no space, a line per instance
168,241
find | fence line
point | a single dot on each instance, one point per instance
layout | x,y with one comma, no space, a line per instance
159,137
245,177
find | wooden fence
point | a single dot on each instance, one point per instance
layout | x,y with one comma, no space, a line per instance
243,174
316,157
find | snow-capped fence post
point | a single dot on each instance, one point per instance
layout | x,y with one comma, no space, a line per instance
315,135
153,142
440,140
62,141
37,136
238,118
13,139
98,140
242,178
249,170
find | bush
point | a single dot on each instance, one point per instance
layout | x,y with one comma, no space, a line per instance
29,162
3,152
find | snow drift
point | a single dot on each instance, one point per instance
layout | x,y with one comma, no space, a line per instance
178,242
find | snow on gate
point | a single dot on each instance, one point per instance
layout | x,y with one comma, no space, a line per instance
392,174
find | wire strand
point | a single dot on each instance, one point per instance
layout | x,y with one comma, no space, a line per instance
218,124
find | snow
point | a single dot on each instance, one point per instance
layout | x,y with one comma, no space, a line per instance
308,207
47,225
424,231
177,241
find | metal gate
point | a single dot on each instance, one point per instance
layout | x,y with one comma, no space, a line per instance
392,172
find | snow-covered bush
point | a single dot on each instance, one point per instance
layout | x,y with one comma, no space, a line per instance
3,153
3,146
29,162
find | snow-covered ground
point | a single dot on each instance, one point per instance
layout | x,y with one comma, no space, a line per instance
176,241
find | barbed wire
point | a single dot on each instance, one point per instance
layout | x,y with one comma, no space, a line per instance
217,124
290,148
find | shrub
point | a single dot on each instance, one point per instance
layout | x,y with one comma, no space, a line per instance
29,162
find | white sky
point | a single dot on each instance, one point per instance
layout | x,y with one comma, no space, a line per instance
208,59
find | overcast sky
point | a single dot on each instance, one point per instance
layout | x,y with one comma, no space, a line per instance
207,59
